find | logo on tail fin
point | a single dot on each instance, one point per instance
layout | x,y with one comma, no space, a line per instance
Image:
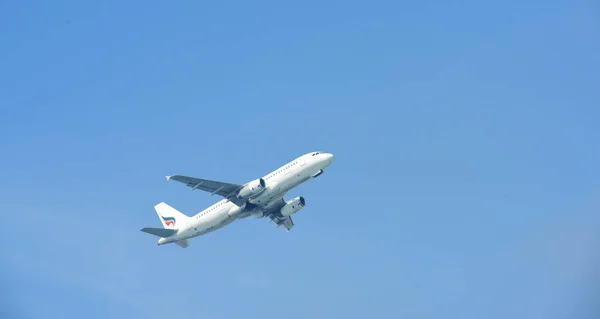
169,221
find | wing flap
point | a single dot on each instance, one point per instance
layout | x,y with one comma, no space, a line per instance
286,222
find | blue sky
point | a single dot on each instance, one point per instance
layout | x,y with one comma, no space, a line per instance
466,180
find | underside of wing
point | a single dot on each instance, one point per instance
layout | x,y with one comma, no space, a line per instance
227,190
274,214
286,222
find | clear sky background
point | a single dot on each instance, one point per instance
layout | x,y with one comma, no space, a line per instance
466,182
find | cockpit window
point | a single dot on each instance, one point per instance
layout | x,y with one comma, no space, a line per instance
315,153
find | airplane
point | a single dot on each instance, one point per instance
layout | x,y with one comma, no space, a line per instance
262,197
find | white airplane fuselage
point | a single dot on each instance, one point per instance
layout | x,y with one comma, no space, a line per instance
277,184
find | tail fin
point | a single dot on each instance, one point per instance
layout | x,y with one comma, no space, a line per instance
169,216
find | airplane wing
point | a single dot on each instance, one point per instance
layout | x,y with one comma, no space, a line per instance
286,222
274,214
227,190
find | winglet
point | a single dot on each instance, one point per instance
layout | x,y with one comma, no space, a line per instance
168,177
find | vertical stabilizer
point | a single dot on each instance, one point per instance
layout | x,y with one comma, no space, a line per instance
169,216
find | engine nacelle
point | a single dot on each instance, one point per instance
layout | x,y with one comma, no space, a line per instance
293,206
252,189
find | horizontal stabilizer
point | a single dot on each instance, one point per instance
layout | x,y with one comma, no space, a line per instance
160,232
182,243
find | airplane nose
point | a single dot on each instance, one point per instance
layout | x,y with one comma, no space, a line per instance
329,158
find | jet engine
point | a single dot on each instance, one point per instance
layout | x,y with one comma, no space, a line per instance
252,189
292,206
